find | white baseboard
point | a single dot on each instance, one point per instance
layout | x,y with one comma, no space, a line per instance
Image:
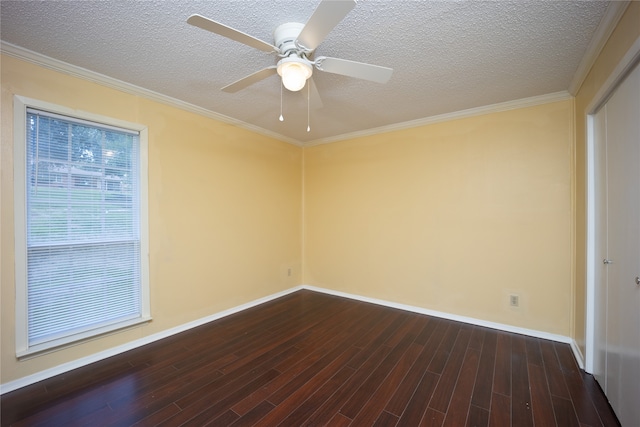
578,354
78,363
478,322
449,316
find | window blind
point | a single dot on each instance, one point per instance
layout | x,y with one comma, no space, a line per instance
83,226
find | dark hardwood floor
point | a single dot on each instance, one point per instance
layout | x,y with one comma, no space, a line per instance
313,359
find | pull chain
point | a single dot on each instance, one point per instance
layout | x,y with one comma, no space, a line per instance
308,106
281,85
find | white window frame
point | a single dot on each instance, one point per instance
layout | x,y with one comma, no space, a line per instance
20,105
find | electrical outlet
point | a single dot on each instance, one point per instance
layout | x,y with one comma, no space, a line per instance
514,300
289,271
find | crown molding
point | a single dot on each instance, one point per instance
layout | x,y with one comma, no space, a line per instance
471,112
74,71
615,10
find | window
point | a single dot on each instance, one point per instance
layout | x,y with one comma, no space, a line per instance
81,220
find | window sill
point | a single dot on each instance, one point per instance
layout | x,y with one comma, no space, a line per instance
78,339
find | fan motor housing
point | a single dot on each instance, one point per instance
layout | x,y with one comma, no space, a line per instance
285,37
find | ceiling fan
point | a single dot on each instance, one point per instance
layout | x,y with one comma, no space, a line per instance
294,45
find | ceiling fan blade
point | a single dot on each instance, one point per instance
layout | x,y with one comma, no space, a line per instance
360,70
326,16
230,33
314,95
250,79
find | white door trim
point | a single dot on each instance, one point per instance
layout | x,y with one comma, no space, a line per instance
622,69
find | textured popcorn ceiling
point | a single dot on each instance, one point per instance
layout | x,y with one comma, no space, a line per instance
447,56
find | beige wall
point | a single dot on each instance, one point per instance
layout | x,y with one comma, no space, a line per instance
451,217
224,210
625,34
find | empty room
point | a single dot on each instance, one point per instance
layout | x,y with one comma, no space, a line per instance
320,212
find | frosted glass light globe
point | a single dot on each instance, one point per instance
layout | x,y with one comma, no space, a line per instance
294,72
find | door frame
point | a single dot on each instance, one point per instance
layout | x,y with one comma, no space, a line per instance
630,59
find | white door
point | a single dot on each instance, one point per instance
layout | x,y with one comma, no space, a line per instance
617,355
601,250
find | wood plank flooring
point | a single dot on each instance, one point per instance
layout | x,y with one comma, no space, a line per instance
309,359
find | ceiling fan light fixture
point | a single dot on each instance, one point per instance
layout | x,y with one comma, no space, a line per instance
294,72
